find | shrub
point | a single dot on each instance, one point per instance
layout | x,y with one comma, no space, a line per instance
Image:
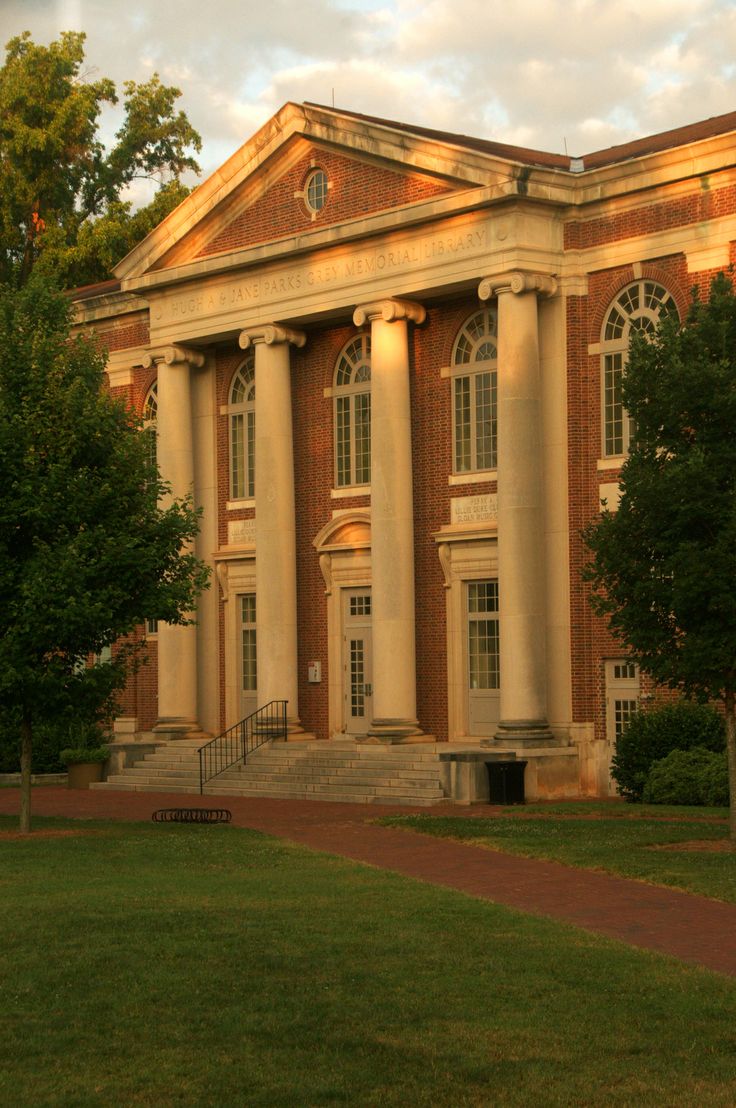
696,776
652,735
714,782
46,742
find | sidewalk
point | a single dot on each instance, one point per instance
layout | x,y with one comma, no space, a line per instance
692,928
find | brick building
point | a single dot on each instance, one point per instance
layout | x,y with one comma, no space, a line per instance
388,362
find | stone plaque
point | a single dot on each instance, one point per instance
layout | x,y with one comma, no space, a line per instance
241,532
474,509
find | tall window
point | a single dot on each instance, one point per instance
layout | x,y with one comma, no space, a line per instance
353,413
474,375
483,640
150,414
639,307
242,416
249,664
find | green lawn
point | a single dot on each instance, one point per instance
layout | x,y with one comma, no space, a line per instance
625,846
165,965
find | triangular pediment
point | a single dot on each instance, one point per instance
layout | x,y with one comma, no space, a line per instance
258,196
273,205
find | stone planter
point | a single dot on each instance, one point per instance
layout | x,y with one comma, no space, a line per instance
81,774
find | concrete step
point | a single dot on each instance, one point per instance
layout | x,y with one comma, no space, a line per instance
358,797
339,770
369,780
126,786
310,786
385,765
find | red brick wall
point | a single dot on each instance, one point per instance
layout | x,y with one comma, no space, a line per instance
591,641
432,452
130,331
681,211
358,189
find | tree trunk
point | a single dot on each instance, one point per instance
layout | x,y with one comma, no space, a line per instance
730,702
25,771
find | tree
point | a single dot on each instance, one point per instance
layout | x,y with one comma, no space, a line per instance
664,563
86,550
60,189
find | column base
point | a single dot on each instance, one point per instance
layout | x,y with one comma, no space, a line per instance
521,732
175,727
393,731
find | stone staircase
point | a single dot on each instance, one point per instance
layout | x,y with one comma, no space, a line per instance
340,770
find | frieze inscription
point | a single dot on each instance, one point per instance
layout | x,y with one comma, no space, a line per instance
252,291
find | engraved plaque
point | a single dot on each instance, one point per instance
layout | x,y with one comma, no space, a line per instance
241,532
474,509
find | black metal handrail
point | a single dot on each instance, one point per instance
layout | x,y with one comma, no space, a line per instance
235,744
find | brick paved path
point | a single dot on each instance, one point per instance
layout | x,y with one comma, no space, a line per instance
692,928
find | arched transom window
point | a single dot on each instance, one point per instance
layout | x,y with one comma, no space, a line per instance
474,375
640,307
242,417
353,413
150,415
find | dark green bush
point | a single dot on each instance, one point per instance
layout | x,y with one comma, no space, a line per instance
652,735
47,742
714,782
696,776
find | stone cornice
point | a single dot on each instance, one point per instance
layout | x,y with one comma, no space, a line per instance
174,355
389,310
517,282
270,334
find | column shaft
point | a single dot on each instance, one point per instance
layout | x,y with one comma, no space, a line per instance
392,522
276,607
177,646
520,520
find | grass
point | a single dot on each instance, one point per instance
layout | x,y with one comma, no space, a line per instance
619,809
624,846
165,965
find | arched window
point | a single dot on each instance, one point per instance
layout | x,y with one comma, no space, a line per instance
639,307
474,376
150,415
353,413
242,416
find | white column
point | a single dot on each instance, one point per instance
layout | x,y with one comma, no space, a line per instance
392,519
177,645
521,556
276,623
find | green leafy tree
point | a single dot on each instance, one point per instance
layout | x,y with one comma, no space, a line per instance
60,188
86,550
664,563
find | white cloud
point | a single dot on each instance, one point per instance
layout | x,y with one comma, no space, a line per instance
542,73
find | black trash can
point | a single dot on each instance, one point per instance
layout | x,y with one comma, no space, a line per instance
506,782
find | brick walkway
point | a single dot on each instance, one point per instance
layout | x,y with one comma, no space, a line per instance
692,928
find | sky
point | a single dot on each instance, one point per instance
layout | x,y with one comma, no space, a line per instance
567,76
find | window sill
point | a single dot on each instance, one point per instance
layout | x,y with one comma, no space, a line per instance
350,490
239,505
614,462
479,477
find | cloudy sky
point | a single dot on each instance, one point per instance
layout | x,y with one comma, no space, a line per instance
557,75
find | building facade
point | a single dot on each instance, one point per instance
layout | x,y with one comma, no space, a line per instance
387,361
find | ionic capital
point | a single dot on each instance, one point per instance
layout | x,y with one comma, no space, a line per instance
517,282
270,334
389,311
174,355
